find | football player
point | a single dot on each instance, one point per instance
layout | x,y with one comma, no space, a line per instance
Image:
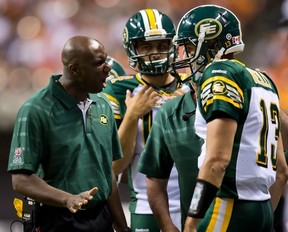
147,39
238,116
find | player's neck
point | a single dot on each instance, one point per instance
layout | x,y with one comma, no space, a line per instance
158,81
68,87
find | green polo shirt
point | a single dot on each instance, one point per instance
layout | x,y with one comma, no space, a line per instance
173,140
50,133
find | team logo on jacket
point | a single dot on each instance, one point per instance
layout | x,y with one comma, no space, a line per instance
17,158
103,119
219,87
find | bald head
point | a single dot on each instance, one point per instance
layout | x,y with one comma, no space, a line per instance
79,48
84,66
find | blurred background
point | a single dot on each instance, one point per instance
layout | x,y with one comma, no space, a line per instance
32,34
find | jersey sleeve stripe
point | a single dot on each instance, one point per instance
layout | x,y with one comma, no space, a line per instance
115,106
226,80
112,99
231,92
223,98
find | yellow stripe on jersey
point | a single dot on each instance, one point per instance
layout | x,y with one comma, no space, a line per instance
117,116
183,76
146,125
221,78
113,99
115,105
138,77
221,88
224,98
151,18
221,215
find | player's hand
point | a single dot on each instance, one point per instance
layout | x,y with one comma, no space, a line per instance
191,224
142,102
75,202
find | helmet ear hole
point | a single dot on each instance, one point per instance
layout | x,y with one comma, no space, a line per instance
214,44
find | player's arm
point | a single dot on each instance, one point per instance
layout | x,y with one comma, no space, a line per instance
284,129
115,207
277,188
137,106
220,138
157,196
30,185
211,173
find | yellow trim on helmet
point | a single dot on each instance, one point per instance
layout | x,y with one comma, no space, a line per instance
151,18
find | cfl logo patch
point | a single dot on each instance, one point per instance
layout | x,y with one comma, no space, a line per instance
103,119
210,26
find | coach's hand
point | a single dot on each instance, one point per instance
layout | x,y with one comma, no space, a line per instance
75,202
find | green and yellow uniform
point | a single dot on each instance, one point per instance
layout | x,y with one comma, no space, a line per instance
230,89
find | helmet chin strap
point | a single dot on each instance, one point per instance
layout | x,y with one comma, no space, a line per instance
219,54
200,41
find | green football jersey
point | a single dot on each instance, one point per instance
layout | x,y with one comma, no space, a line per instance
231,89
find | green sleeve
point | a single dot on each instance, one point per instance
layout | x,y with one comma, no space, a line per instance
26,145
155,160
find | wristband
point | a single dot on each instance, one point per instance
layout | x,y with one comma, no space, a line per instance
203,195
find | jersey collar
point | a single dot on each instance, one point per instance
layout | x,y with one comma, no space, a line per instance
61,94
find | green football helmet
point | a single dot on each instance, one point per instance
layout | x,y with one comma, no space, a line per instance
116,68
213,31
148,25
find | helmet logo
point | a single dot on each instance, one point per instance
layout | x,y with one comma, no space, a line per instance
125,35
212,28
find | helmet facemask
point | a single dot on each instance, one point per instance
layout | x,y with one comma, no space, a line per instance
147,64
145,26
196,55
